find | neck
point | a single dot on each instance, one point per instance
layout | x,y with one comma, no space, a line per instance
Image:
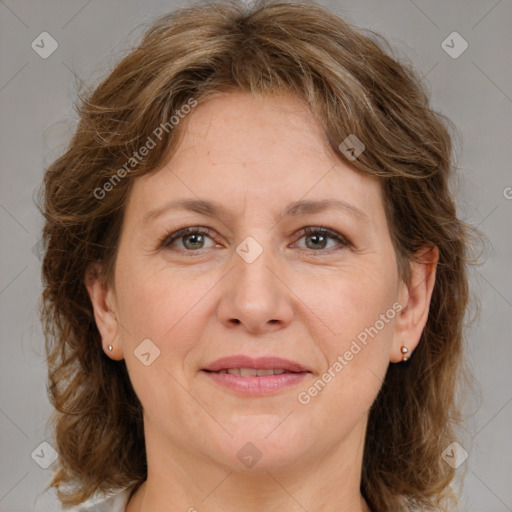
148,498
179,479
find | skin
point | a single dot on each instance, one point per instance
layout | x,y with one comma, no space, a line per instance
305,298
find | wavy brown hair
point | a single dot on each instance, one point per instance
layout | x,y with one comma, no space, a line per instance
353,84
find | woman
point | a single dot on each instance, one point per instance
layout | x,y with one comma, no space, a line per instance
255,277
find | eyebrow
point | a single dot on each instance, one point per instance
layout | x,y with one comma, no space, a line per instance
215,209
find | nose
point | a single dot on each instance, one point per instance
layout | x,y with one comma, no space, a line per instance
255,296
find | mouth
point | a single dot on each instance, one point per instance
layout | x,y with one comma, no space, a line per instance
244,375
246,364
252,372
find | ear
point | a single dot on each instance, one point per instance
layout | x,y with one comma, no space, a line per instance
103,303
415,299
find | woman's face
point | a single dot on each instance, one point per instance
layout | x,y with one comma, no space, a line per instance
259,280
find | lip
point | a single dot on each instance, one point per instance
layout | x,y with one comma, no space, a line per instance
256,385
264,363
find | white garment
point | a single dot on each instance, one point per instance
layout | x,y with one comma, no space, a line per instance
115,503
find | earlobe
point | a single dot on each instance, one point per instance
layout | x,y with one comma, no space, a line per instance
105,316
416,303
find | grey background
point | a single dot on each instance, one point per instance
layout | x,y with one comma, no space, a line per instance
36,94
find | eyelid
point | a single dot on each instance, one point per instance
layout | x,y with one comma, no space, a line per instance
331,233
170,237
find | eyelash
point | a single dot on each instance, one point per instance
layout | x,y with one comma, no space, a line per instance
169,238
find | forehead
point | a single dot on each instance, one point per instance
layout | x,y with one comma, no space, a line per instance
254,128
267,149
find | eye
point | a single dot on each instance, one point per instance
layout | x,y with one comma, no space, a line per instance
317,238
188,239
193,239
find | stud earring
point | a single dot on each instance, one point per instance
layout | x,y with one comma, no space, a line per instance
110,348
405,351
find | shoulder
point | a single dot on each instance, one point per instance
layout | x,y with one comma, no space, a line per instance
113,503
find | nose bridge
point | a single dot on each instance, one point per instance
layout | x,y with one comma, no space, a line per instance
255,295
253,266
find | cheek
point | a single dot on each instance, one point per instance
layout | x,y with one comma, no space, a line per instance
164,307
364,316
360,313
156,302
350,302
171,310
354,331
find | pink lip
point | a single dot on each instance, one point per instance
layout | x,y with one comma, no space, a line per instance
263,363
256,385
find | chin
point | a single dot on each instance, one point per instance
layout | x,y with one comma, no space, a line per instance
260,445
